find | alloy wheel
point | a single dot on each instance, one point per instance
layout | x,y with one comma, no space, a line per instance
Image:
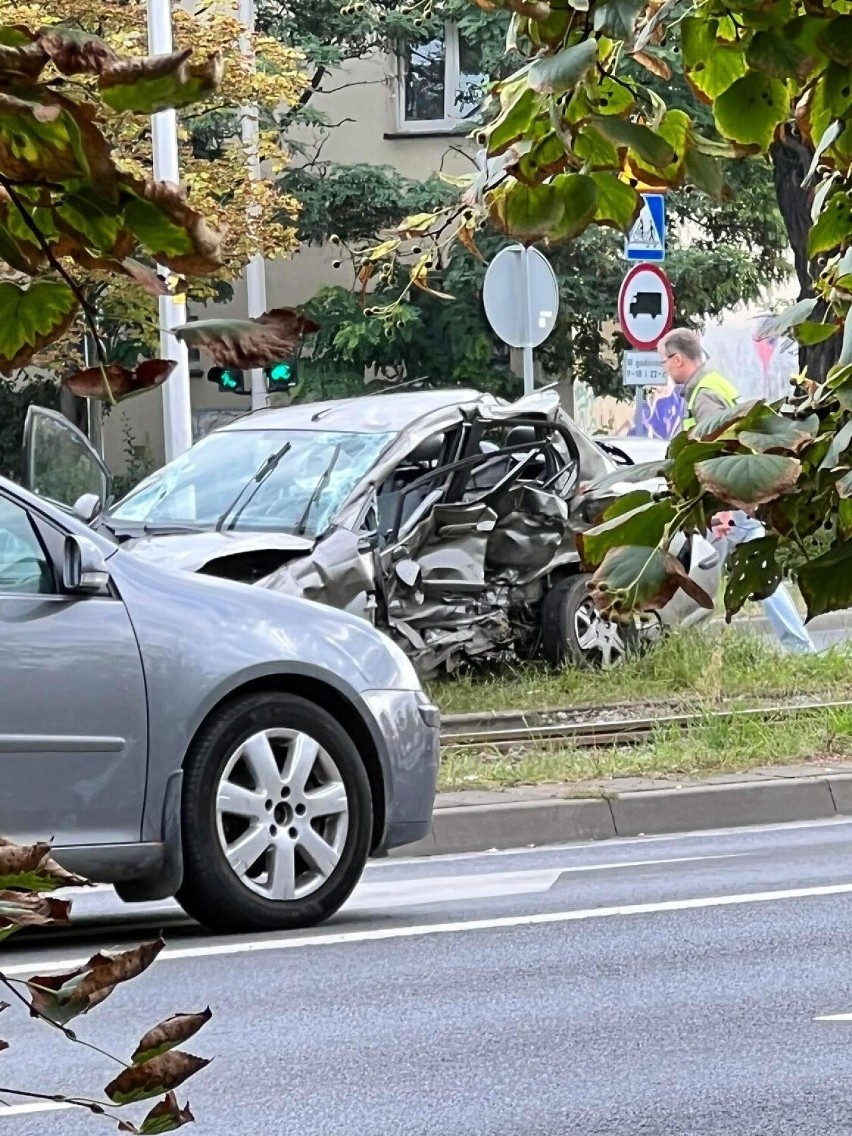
282,814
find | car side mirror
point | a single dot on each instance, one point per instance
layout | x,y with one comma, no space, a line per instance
84,569
87,507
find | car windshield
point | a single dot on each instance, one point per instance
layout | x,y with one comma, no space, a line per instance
254,480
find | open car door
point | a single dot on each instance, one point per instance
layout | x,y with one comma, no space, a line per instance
61,464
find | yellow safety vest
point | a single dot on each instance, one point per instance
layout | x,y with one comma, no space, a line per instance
716,383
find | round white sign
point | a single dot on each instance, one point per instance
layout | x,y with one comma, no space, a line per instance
521,296
645,306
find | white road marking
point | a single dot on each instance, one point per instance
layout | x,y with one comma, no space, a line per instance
484,885
498,923
26,1109
834,1018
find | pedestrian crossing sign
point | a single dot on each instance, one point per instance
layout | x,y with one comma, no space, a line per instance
646,241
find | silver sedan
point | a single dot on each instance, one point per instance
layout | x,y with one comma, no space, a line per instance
175,734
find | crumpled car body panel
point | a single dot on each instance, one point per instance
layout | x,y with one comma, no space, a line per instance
452,540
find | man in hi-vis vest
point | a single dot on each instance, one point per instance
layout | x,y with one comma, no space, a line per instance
706,392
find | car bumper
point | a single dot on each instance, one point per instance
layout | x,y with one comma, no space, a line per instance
409,737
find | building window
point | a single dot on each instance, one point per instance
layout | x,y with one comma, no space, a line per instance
442,85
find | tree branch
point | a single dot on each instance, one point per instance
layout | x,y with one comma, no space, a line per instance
89,313
10,985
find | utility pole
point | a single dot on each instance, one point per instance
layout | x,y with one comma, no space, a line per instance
177,410
256,268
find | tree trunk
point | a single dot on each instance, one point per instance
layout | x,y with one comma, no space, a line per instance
791,160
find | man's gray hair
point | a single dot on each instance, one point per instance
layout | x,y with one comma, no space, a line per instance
682,341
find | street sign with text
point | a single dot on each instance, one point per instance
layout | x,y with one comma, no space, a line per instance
642,369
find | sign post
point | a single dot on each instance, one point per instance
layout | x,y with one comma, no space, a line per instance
646,313
521,299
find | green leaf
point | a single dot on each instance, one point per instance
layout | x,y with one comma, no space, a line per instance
617,18
790,317
637,578
683,476
595,150
811,333
618,203
743,414
555,74
753,573
834,225
32,317
673,129
711,67
513,122
631,475
840,443
150,84
771,52
826,582
835,40
578,194
547,157
752,109
744,480
633,136
774,433
644,525
627,503
706,173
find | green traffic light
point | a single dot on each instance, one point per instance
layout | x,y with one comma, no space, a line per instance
281,375
280,372
227,379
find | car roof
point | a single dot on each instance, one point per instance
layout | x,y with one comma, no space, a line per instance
367,414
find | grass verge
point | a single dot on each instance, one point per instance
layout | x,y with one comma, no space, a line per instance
689,667
711,746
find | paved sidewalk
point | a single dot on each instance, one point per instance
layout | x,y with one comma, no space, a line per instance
477,821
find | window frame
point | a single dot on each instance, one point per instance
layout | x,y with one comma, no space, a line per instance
451,123
39,543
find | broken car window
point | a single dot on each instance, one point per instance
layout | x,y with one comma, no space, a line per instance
198,487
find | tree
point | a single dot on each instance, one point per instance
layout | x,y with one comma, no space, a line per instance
733,253
574,133
27,877
90,48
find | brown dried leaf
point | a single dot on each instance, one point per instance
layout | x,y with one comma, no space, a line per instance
165,1116
147,278
29,909
251,342
61,997
466,238
123,382
170,231
653,64
75,52
26,61
159,1075
32,867
3,1045
173,1031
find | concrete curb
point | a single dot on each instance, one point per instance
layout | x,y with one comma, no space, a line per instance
521,824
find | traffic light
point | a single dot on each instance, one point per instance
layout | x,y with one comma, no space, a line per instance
281,375
228,379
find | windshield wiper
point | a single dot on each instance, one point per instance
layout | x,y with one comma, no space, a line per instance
267,467
317,490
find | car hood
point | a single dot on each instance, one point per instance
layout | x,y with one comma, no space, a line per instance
190,552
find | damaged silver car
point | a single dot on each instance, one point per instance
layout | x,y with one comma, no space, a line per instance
448,518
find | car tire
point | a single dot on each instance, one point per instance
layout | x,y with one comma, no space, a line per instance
568,617
277,816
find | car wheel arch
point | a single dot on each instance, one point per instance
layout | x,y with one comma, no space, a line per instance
336,703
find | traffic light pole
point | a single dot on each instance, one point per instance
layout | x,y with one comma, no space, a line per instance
256,268
177,411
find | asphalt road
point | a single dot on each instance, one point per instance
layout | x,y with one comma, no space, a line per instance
668,986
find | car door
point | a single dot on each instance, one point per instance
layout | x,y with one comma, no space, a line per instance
60,463
73,710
